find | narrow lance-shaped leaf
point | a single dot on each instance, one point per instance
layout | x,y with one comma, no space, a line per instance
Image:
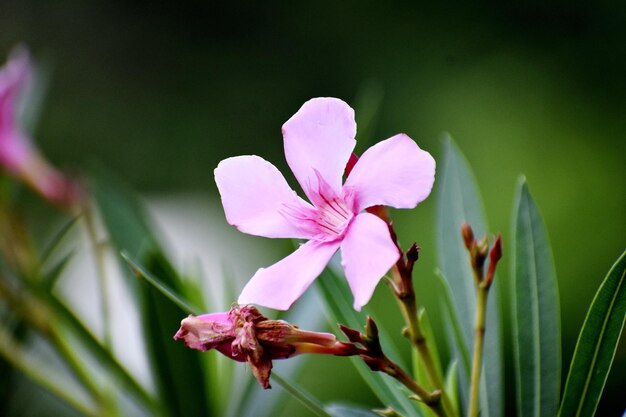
454,327
459,202
420,373
536,315
348,410
267,407
452,385
596,345
160,286
178,370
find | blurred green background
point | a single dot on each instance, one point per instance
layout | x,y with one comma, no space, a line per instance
162,93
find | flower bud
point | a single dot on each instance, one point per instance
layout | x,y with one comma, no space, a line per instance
468,236
494,256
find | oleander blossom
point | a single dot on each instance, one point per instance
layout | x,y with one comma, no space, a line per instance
319,140
245,335
18,156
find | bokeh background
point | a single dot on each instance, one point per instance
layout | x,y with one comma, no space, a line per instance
161,93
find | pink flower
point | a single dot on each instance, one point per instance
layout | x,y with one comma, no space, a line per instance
245,335
319,140
18,156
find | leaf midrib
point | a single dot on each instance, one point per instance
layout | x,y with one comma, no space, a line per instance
535,307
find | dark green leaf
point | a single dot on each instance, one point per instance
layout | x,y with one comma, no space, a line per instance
51,276
57,239
596,345
123,215
177,369
536,315
160,286
459,202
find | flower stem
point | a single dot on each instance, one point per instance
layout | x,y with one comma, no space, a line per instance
77,367
413,331
431,399
479,339
99,255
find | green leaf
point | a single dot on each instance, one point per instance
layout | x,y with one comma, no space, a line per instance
159,286
57,239
178,370
41,372
338,299
123,215
100,353
305,398
452,386
348,410
536,315
453,321
50,277
596,345
420,373
459,202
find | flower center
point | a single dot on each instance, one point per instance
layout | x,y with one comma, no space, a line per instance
333,216
325,221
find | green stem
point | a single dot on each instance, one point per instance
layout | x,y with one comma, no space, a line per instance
99,256
479,340
408,307
77,367
305,398
431,399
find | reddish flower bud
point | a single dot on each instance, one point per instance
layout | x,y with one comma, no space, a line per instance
494,256
468,236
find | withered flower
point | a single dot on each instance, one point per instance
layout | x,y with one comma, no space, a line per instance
245,335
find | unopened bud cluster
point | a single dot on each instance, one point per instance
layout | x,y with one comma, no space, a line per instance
478,252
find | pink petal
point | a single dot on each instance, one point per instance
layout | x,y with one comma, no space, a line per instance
394,172
15,151
279,285
219,318
13,78
367,253
209,331
255,196
15,148
320,136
